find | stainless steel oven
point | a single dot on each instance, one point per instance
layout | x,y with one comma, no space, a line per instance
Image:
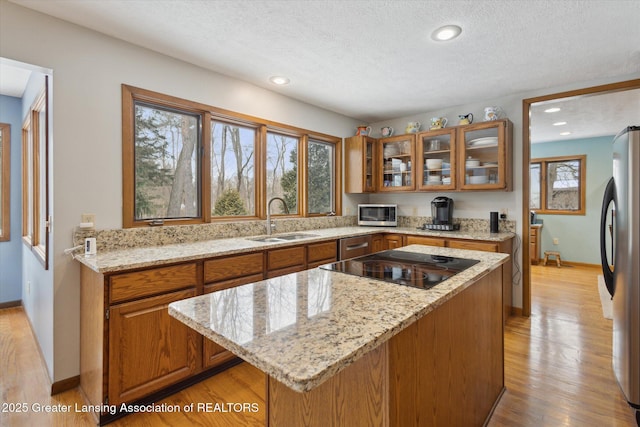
380,215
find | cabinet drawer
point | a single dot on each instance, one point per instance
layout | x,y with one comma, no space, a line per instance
216,270
150,282
286,257
322,251
424,240
232,283
476,246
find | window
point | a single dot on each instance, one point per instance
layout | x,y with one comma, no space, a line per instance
558,185
35,182
177,170
282,171
5,174
321,177
233,180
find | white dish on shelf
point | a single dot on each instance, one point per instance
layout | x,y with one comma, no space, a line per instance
433,163
482,179
483,142
472,163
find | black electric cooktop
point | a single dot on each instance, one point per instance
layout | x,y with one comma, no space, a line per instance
404,268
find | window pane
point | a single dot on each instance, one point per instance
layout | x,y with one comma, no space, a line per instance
563,185
167,173
534,172
321,177
232,170
27,175
42,177
282,171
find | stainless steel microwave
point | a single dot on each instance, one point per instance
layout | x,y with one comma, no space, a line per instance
381,215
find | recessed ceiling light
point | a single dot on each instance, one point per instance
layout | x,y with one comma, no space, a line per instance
552,110
565,133
560,123
445,33
279,80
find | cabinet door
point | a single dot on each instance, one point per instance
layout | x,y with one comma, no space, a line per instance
377,243
484,156
393,241
148,349
473,245
425,240
278,259
436,160
360,164
397,163
321,253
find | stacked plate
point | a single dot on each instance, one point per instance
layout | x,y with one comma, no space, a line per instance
483,142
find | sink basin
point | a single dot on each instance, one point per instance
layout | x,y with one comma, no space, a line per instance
283,238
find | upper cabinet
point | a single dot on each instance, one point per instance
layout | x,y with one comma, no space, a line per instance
484,156
436,160
397,158
360,164
461,158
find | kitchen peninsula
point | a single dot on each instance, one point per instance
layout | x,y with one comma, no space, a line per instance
352,351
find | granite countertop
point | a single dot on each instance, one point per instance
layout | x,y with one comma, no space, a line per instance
303,328
127,259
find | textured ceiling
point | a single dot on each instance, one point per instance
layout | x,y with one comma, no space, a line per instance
375,59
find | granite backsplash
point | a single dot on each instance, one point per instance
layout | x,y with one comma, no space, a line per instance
108,240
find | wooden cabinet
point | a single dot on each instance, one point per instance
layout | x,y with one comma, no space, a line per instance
475,157
473,245
321,253
397,161
148,349
377,243
484,156
361,164
534,241
285,261
393,241
436,160
223,273
426,240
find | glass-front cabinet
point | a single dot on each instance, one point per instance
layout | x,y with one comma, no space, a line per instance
436,158
397,154
484,156
360,164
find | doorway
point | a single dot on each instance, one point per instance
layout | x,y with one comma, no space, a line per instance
526,160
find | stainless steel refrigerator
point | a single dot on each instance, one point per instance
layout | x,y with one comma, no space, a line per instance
620,253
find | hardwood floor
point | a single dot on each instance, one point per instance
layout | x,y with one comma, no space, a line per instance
557,368
558,361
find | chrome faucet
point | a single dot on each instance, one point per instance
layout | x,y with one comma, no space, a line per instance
271,226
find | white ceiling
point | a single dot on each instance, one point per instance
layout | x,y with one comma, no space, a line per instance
375,59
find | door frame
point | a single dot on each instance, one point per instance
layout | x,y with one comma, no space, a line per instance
526,158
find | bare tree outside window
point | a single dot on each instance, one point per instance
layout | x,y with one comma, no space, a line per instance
321,177
558,185
282,170
167,144
233,191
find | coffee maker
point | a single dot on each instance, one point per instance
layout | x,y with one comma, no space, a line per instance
442,214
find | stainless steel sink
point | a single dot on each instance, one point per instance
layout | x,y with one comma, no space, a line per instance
283,238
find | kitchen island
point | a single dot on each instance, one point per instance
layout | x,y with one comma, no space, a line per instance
346,350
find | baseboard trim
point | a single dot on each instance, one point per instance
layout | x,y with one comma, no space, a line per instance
64,385
10,304
516,311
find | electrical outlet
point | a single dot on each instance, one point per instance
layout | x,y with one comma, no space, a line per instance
556,241
88,217
503,213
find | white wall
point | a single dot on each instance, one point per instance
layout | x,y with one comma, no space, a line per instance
88,70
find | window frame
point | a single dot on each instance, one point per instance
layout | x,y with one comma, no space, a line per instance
5,170
35,175
582,190
131,95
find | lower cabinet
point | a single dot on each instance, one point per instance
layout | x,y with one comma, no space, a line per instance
394,241
148,349
377,243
